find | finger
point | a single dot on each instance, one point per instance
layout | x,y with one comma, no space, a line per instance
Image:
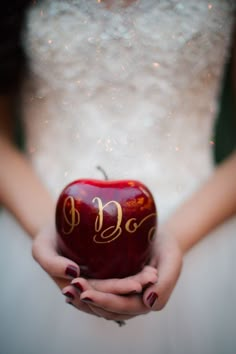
146,277
150,268
45,253
72,298
125,305
61,283
82,307
81,285
156,296
130,285
116,286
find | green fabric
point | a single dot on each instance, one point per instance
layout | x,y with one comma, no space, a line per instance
225,126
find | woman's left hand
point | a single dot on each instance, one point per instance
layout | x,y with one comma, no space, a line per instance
63,270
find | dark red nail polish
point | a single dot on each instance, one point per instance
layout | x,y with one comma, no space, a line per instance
151,299
69,295
78,286
71,271
87,300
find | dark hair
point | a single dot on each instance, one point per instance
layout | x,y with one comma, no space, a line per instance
12,57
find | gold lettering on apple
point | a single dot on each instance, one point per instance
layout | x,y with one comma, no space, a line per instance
115,230
131,225
132,222
73,219
110,233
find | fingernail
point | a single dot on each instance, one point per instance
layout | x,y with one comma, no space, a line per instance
87,300
151,299
78,286
69,295
71,271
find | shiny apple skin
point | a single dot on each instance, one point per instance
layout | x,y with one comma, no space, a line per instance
111,240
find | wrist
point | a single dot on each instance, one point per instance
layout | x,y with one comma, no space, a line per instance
172,231
44,217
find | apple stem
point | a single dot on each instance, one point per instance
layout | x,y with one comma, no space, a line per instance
103,172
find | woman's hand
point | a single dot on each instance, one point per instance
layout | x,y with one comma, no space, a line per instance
168,259
44,251
104,299
112,299
62,270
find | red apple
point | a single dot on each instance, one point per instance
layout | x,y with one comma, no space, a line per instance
107,227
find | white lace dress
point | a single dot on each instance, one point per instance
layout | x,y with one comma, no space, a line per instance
133,90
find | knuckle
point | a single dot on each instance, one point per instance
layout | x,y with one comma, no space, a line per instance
153,278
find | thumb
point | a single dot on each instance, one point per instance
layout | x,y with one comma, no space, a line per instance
156,296
44,251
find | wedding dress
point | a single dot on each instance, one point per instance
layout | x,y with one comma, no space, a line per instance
134,90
